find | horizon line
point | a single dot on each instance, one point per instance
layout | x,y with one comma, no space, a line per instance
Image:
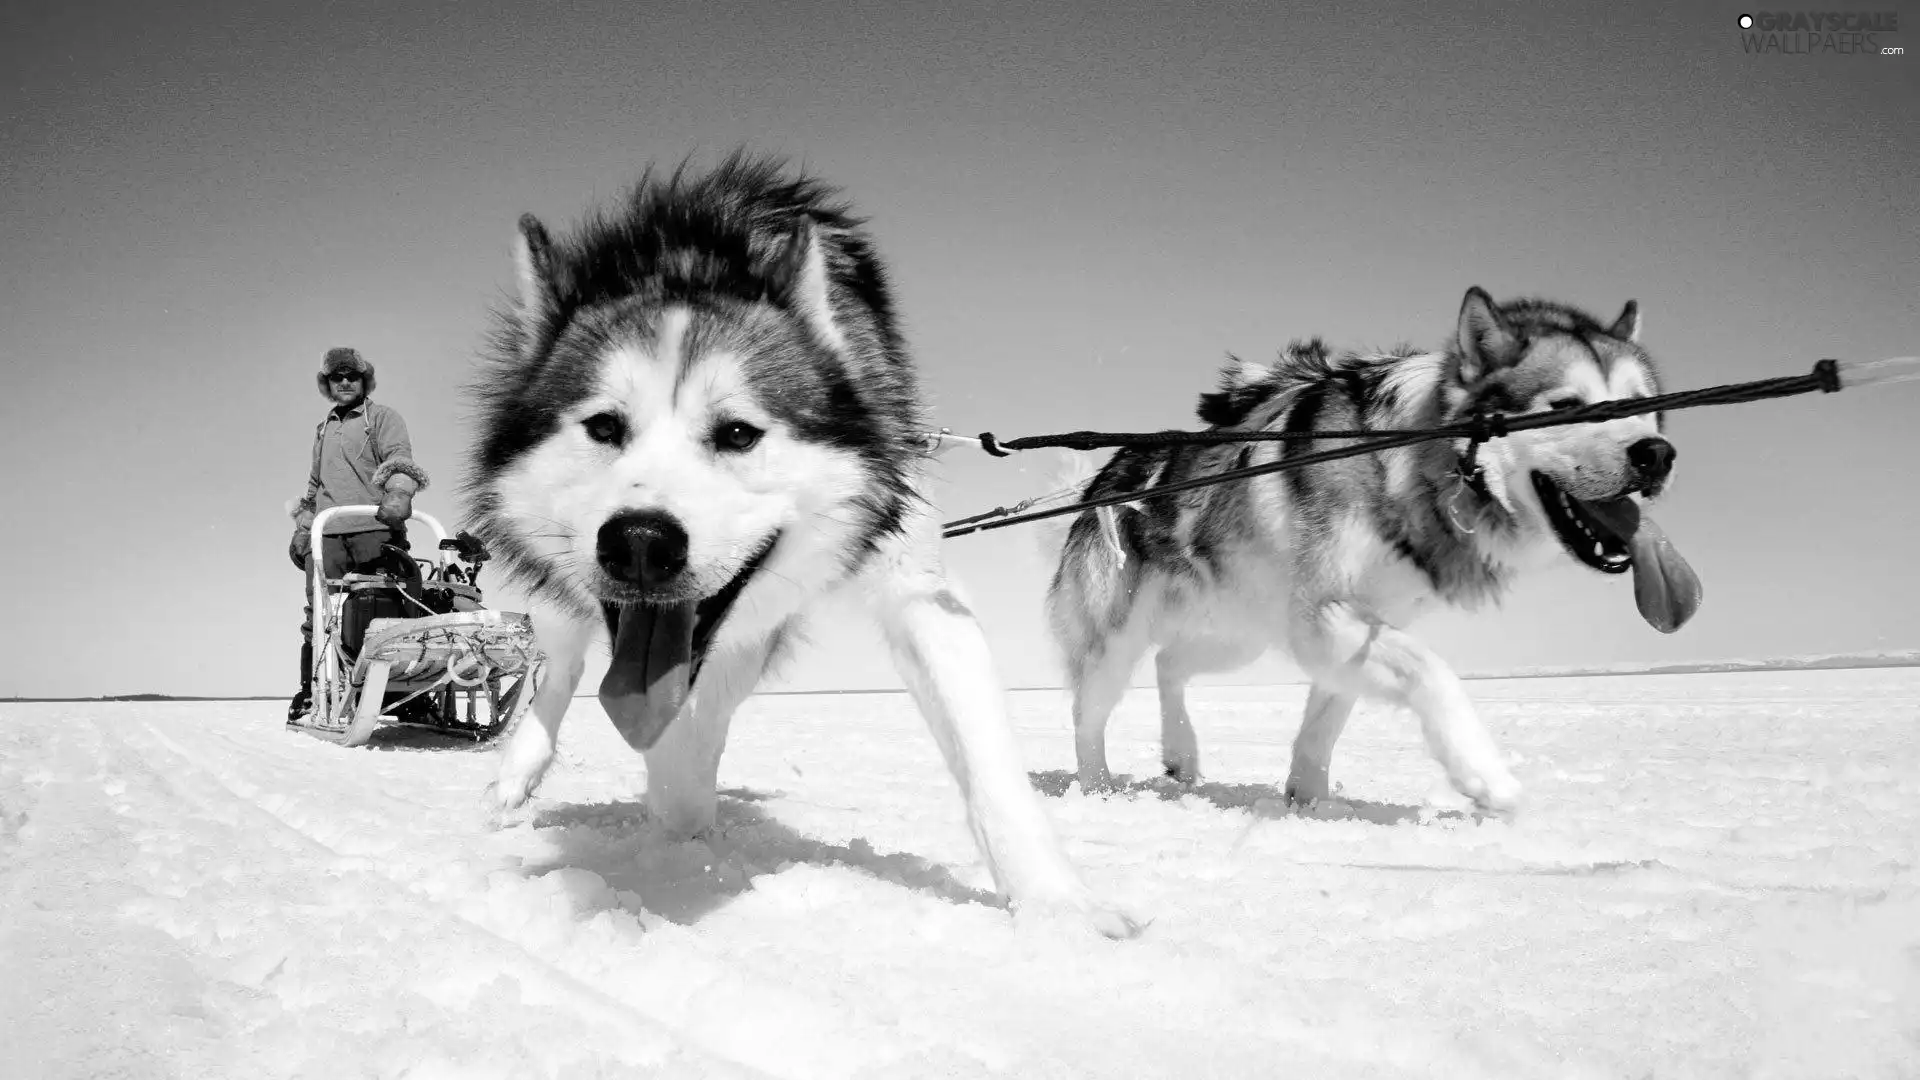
1840,662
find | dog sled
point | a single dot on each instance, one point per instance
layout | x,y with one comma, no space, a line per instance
415,648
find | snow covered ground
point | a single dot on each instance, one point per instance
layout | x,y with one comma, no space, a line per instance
1716,877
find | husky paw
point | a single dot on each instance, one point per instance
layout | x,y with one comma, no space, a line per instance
523,764
1301,792
679,824
1183,771
1114,924
509,791
1107,920
1308,784
1498,793
1097,783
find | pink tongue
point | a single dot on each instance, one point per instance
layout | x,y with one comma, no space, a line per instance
648,680
1664,586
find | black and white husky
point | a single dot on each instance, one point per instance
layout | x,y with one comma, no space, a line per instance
1331,562
699,419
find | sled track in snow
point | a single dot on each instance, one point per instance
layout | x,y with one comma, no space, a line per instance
1719,880
577,990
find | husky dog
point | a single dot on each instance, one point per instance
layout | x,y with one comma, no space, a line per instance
698,419
1332,561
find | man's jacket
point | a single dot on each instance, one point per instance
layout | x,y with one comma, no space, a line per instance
358,455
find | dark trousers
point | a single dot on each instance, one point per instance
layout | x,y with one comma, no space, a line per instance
353,553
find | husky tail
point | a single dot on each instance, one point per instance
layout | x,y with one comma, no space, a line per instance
1100,564
1072,471
1092,587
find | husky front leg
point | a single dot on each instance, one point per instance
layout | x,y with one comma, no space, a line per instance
1326,717
683,768
563,637
943,657
1350,652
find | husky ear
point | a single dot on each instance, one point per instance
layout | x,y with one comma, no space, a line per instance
1627,326
797,278
1486,343
533,267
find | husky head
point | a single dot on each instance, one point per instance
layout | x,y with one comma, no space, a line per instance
704,391
1583,484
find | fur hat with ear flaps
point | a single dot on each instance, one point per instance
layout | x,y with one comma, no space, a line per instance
343,359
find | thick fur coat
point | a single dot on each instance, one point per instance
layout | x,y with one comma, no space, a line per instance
699,419
1332,562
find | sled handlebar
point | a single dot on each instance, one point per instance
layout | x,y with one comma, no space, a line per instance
324,516
318,585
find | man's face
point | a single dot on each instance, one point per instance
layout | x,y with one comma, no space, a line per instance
347,388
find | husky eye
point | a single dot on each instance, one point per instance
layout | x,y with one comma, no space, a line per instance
1560,403
606,428
736,436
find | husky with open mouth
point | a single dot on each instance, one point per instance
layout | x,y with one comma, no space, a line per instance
699,419
1333,561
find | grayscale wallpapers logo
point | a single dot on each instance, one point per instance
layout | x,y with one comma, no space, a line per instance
1816,33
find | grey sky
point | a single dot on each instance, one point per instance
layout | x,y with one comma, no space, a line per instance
1085,208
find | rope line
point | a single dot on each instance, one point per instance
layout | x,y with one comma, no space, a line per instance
1824,378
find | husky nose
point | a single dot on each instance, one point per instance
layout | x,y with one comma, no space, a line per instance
647,548
1652,459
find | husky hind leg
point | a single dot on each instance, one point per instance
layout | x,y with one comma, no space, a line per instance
1093,611
1350,652
1175,665
942,655
564,637
1098,681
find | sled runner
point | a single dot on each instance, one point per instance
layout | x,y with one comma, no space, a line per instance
415,648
